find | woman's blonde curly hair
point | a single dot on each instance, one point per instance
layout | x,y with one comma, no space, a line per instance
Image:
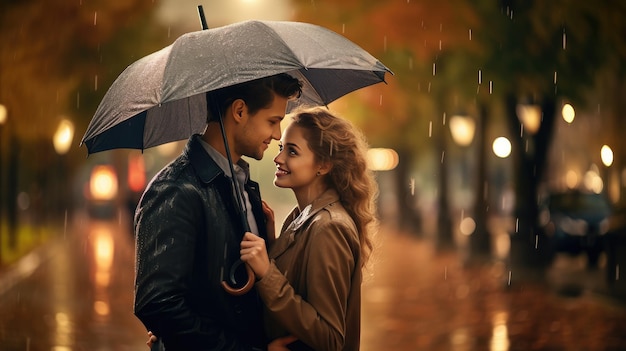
337,141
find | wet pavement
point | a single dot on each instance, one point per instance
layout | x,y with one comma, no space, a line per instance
76,294
73,294
419,299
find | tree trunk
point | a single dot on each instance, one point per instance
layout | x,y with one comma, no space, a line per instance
528,245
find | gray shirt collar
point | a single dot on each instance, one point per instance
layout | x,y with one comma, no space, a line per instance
241,167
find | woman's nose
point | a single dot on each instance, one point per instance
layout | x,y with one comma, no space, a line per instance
278,159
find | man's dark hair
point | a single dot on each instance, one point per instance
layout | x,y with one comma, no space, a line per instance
257,94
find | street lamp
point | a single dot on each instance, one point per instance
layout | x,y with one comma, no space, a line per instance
462,129
62,141
63,137
568,113
530,117
501,147
606,154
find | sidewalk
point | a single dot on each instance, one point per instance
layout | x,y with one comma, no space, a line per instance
419,299
75,293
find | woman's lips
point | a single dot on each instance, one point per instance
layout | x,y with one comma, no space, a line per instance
280,172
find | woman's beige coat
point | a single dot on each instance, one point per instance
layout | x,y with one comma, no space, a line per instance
313,287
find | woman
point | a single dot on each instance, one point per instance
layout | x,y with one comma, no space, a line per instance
311,287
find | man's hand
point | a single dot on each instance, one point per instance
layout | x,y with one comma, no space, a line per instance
280,344
254,253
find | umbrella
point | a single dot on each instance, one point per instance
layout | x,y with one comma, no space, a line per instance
162,97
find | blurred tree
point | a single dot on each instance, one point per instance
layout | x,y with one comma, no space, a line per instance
54,55
542,53
490,56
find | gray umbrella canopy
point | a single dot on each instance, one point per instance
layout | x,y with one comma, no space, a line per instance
161,97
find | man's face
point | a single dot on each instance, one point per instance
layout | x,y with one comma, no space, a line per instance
257,131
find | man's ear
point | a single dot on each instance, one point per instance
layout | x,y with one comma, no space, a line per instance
238,108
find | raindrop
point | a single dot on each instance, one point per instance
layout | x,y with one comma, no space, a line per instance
521,130
510,274
554,77
490,87
480,76
564,39
517,225
536,241
95,18
380,102
343,28
412,186
430,129
470,34
439,44
331,148
443,156
429,87
445,273
95,84
434,68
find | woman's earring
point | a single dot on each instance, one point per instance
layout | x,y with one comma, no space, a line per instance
318,173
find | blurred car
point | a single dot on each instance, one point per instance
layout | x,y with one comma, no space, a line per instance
576,222
102,191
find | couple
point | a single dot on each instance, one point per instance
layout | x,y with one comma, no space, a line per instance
307,294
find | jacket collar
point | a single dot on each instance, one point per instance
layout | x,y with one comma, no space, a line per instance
297,219
202,163
327,198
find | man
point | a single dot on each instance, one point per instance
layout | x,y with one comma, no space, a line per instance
188,227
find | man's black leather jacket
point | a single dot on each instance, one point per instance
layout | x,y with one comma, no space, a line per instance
188,235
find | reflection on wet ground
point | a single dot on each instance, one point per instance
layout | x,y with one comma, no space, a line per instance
79,297
76,294
419,299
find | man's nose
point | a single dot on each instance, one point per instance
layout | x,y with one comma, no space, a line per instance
277,132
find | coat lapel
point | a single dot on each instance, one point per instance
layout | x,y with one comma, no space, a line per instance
296,220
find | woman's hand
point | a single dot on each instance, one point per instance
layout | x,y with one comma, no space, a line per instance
280,344
151,339
270,223
254,253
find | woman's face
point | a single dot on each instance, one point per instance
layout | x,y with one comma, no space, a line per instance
296,166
